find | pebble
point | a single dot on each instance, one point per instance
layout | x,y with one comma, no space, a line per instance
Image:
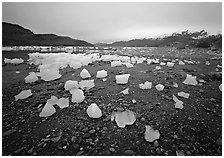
19,150
87,135
92,131
129,153
79,153
219,141
156,143
112,149
30,151
8,132
201,91
73,138
142,119
104,128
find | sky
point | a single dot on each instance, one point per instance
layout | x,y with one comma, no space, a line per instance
108,22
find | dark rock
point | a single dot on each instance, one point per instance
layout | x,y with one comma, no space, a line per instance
129,152
87,135
92,131
75,146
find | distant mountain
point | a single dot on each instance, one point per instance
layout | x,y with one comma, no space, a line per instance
15,35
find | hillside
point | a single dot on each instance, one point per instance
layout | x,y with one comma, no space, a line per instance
15,35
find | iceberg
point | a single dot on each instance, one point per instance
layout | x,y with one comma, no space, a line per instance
23,94
94,111
122,79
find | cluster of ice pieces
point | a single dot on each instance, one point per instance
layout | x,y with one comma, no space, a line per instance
13,61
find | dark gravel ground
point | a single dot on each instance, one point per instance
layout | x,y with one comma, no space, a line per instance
194,130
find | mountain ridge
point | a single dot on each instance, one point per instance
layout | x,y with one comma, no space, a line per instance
16,35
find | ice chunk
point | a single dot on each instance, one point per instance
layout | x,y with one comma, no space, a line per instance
101,74
175,84
116,63
14,61
162,63
71,85
129,65
123,118
94,111
63,102
181,63
207,63
158,68
159,87
170,64
201,80
32,77
190,80
146,85
86,84
77,95
85,74
126,91
104,79
49,109
49,72
23,94
122,79
183,94
134,101
149,61
178,103
220,87
17,72
151,134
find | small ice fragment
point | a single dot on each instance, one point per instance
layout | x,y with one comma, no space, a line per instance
151,134
85,74
94,111
159,87
207,63
183,94
47,110
23,94
32,77
71,85
101,74
178,103
170,64
181,63
220,87
126,91
63,102
162,63
158,68
17,72
116,63
104,79
146,85
190,80
201,80
86,84
122,79
123,118
175,84
128,65
134,101
77,95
